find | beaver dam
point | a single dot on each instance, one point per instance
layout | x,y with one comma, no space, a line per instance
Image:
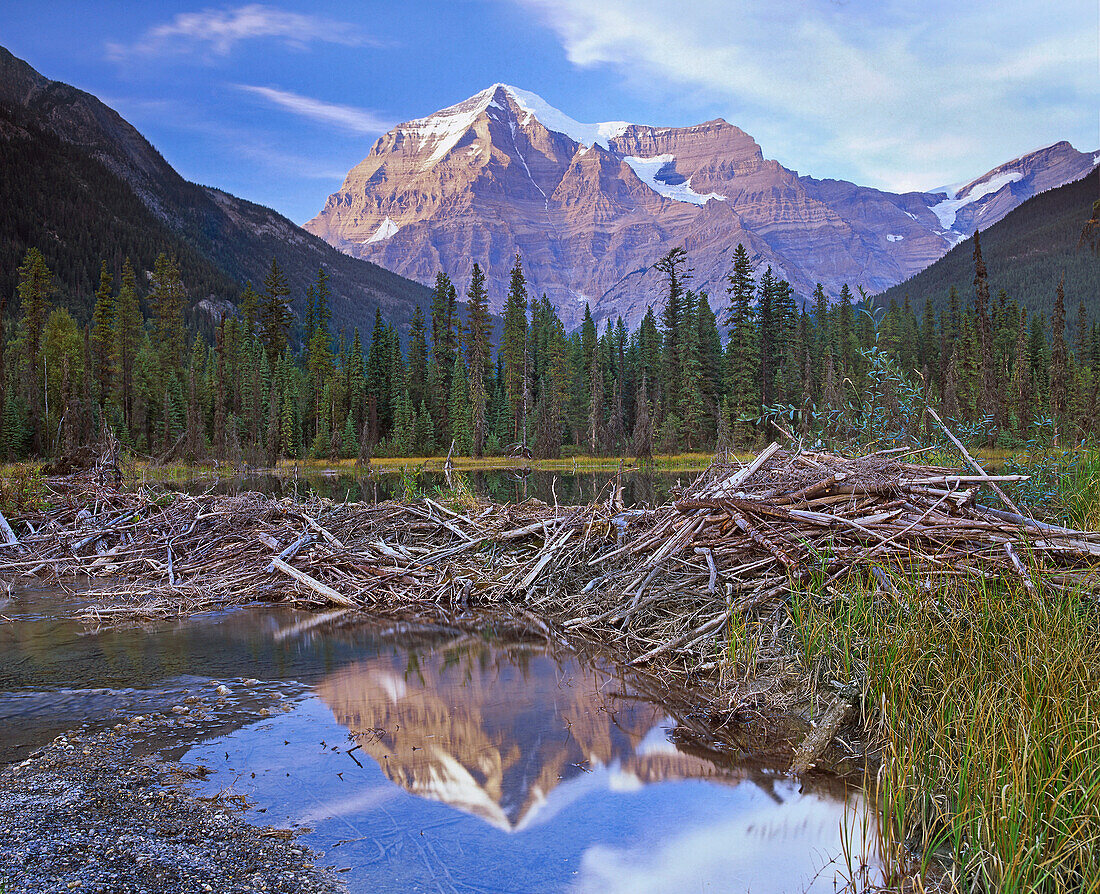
695,592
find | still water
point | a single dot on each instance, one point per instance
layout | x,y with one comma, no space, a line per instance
497,485
427,760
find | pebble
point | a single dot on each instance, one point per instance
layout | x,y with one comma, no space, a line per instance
222,690
180,709
100,818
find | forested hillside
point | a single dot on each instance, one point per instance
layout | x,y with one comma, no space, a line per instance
1026,252
220,241
77,213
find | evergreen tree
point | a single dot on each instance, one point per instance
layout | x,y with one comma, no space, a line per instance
674,266
458,409
102,339
275,317
418,359
478,353
1059,359
166,298
128,336
249,304
742,351
514,352
643,424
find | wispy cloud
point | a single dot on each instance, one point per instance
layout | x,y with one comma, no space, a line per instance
349,118
907,95
217,31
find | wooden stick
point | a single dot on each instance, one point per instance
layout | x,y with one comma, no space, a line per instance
316,527
819,738
291,551
712,624
973,463
324,590
9,535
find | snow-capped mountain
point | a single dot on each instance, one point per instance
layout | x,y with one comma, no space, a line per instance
590,207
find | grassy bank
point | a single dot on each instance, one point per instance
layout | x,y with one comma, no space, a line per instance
983,701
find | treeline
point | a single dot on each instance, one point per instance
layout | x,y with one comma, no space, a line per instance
1027,252
267,386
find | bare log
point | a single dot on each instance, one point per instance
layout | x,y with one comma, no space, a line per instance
321,589
819,738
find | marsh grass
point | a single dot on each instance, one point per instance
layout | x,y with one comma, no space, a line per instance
985,703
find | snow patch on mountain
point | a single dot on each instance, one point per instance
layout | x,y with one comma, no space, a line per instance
894,237
949,208
556,120
647,170
385,230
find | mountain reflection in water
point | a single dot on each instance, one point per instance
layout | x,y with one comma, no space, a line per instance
489,767
506,735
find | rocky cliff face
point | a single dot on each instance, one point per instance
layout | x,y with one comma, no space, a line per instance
590,207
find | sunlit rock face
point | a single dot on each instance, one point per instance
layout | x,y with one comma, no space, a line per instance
511,738
590,207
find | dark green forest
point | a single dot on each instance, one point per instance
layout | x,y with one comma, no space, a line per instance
263,386
93,216
1026,251
78,210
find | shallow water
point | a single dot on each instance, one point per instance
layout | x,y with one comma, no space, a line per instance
498,485
427,760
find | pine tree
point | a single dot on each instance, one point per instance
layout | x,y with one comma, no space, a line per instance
418,358
128,334
102,339
249,304
478,354
1059,359
194,430
275,317
166,298
821,332
743,350
458,409
674,266
988,392
36,287
221,438
597,434
1022,390
514,352
724,441
643,424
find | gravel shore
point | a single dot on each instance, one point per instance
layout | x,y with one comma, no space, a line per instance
87,814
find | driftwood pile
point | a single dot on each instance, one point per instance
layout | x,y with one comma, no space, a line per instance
665,586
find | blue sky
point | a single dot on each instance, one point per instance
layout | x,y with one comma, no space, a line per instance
276,101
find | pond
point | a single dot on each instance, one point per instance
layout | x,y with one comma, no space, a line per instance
497,485
422,759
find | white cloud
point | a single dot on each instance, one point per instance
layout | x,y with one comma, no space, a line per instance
218,31
898,94
349,118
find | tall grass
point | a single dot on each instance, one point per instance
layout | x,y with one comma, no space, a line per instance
985,701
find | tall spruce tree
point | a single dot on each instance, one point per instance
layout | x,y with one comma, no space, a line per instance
275,316
479,356
514,352
128,337
102,337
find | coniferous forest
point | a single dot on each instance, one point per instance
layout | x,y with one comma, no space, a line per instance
263,385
